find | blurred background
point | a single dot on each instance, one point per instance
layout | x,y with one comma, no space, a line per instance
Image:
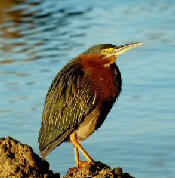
38,37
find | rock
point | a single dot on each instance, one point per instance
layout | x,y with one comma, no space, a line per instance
19,161
97,170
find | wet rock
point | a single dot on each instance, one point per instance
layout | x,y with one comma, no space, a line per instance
19,160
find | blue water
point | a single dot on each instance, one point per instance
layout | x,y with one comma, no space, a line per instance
37,38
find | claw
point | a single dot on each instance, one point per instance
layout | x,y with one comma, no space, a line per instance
82,164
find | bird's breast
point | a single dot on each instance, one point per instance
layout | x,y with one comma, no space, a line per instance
104,84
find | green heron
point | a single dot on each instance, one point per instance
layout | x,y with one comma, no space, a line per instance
80,97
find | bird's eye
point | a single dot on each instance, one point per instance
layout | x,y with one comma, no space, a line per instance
103,51
106,51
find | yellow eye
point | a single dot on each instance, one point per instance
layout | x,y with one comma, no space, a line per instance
106,51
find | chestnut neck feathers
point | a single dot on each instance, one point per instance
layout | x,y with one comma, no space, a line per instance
102,76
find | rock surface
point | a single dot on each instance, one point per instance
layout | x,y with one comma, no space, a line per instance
97,170
19,161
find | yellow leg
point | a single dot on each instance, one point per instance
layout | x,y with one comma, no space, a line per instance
79,147
77,157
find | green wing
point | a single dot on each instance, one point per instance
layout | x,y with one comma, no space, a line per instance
69,100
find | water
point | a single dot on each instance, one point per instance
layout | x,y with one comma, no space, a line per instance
37,38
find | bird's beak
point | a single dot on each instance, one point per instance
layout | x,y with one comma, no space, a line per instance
124,48
118,50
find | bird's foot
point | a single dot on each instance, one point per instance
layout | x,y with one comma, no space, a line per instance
82,164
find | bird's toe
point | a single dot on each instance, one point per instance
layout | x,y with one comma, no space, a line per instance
82,164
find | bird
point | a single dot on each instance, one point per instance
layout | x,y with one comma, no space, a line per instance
80,98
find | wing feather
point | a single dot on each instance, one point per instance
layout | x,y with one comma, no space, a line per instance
69,100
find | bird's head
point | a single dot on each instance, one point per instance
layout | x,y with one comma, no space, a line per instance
109,53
